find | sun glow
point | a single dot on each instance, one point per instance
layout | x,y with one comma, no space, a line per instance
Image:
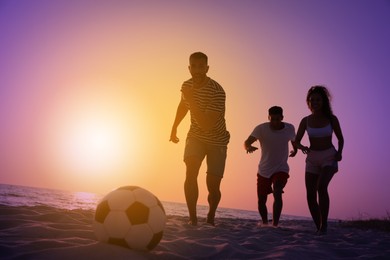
94,145
93,137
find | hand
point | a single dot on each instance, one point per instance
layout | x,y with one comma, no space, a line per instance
251,149
293,153
174,138
305,149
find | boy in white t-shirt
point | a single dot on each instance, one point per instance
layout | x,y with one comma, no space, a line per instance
273,169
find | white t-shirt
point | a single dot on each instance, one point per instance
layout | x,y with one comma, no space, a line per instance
274,148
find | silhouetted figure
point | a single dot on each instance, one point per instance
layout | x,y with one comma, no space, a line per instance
273,170
207,137
322,156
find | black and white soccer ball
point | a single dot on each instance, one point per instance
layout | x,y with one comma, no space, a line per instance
130,216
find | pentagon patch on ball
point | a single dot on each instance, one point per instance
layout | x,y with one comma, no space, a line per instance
130,216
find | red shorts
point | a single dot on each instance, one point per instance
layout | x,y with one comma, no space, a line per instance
277,182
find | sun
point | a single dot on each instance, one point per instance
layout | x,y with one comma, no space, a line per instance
94,145
93,140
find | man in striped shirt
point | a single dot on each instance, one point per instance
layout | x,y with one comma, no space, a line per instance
207,137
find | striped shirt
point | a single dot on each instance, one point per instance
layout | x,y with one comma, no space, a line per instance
210,97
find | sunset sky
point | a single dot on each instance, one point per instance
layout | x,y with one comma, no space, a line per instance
89,91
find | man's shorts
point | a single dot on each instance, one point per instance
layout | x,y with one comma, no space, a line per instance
317,160
216,155
278,180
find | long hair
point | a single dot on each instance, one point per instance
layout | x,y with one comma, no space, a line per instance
326,98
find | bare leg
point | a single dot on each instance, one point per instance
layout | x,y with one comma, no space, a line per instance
311,182
213,185
191,190
323,197
262,202
262,207
277,207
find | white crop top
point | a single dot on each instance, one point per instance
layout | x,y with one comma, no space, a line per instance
317,132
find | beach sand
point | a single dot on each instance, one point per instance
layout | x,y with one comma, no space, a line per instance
47,233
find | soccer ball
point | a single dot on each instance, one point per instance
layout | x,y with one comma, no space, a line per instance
130,216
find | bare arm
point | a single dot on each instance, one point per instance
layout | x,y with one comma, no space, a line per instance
340,137
181,112
298,138
295,149
248,144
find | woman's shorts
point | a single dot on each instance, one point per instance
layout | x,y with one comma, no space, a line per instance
316,161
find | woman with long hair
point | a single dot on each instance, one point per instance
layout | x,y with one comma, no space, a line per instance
322,157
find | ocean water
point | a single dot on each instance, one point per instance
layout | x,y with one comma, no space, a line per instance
14,195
